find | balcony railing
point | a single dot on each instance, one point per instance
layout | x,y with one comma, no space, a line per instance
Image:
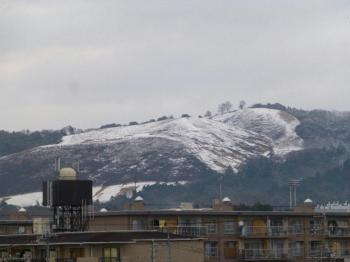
40,259
317,231
264,254
338,231
289,253
266,231
189,231
339,253
202,230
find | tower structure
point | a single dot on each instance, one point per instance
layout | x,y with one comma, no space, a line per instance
293,184
70,199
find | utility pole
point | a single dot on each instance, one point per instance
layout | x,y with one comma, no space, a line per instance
220,187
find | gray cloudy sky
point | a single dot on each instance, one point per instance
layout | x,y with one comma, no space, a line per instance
88,63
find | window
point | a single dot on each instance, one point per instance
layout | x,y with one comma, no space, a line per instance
110,254
315,248
296,248
211,249
315,226
21,230
138,225
296,226
211,228
230,227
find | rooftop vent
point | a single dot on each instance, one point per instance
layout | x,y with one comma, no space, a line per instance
308,201
226,200
139,198
22,209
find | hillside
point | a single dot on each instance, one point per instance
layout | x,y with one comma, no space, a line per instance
256,150
278,125
169,150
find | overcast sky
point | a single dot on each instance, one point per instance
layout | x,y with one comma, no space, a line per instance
87,63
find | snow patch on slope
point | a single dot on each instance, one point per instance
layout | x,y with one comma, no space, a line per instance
100,193
275,124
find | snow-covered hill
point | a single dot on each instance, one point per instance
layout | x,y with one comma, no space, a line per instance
275,124
170,150
216,144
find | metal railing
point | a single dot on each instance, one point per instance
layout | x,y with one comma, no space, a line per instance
189,231
289,253
38,259
317,231
108,259
266,254
338,231
20,259
266,231
339,253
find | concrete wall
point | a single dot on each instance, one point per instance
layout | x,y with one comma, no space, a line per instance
109,223
180,251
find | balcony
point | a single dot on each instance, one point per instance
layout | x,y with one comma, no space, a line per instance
89,259
339,253
264,254
316,231
188,231
339,232
265,231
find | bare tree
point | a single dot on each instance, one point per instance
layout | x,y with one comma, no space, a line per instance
208,114
242,104
224,107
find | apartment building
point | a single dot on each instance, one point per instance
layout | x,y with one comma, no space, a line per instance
299,235
218,234
113,246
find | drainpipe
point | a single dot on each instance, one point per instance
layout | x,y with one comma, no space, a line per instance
169,251
153,255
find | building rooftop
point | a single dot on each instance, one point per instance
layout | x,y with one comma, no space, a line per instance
90,238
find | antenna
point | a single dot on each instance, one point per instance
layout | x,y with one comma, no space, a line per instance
293,184
220,187
57,164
